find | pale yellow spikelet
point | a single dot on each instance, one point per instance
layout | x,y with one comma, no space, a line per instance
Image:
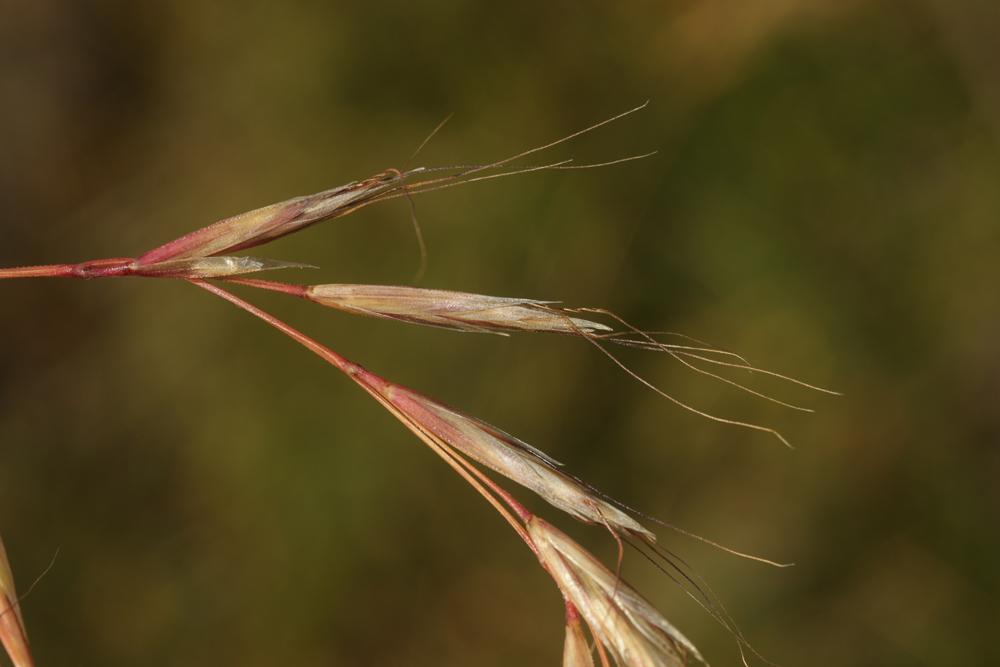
627,625
12,632
451,310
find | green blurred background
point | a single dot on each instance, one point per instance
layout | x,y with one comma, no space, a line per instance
825,200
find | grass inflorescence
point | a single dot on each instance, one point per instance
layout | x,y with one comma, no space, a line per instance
624,628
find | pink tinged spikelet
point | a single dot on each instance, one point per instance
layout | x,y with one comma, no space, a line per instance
270,222
624,623
576,649
276,220
450,310
12,632
503,453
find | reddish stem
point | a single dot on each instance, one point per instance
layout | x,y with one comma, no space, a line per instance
375,386
49,271
341,363
522,512
98,268
272,285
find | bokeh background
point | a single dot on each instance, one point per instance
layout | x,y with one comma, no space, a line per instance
825,200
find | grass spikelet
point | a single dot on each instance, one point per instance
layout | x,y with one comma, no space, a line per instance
477,313
199,268
271,222
460,311
512,458
620,619
12,632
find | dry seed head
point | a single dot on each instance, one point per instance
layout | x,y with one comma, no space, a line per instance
270,222
12,632
627,625
463,311
506,455
451,310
